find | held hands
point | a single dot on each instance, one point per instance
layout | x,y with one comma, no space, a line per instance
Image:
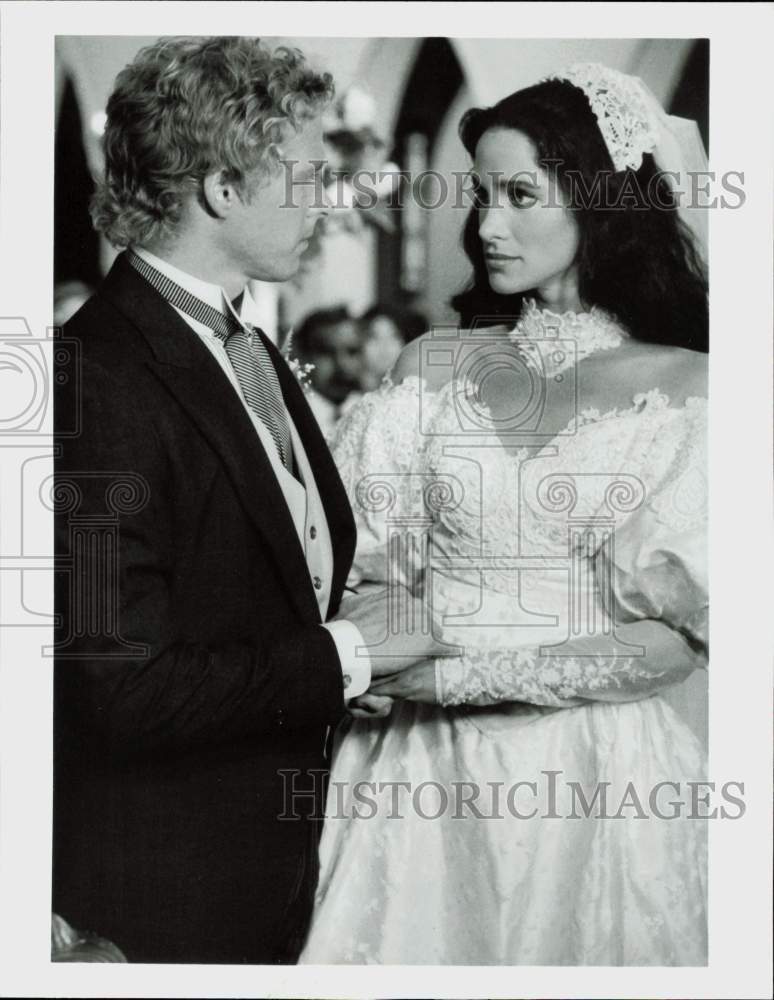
396,626
400,633
415,683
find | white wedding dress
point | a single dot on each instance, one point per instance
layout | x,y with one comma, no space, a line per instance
510,543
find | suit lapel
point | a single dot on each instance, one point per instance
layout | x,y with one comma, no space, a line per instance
193,376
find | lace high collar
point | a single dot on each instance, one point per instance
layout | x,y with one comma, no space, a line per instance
557,341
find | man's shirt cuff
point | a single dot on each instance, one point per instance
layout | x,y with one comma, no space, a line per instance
353,656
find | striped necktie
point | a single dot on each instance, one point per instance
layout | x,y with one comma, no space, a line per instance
246,351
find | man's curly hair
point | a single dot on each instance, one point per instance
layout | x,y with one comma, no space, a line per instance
185,107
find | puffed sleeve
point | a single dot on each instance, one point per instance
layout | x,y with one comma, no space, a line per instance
655,565
376,448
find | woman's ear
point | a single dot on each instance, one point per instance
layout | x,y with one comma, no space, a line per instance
220,194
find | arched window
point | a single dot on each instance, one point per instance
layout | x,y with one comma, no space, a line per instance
430,90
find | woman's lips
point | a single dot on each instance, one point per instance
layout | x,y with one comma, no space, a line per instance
499,259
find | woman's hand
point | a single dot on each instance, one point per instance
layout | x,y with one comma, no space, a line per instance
415,683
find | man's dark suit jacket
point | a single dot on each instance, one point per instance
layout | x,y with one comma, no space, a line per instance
192,666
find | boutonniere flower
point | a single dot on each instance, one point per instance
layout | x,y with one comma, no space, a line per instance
301,371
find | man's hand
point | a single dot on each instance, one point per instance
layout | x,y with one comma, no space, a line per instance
370,706
416,683
397,628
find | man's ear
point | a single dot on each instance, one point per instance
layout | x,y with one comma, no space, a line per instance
220,193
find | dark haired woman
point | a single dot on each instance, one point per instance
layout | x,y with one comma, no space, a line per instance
540,480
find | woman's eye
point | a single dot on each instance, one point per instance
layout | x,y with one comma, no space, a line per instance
480,199
520,197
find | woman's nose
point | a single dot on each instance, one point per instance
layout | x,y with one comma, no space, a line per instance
490,224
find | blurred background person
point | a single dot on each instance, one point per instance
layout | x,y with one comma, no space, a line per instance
329,340
385,331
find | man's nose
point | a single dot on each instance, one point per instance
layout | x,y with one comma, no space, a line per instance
348,361
322,203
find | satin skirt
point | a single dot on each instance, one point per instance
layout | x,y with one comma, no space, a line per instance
514,835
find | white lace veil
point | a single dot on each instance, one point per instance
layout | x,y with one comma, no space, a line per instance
632,122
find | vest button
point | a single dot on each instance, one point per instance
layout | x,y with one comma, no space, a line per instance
317,583
313,532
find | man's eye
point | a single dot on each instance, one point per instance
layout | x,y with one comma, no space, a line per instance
520,197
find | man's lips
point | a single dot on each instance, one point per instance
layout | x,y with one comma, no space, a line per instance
499,256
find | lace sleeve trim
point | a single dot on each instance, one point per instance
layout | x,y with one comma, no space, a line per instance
487,677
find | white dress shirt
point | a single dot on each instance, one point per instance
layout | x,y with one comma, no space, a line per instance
303,498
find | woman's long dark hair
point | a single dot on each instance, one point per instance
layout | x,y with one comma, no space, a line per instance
636,260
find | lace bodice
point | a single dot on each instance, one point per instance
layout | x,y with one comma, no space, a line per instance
511,546
554,342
